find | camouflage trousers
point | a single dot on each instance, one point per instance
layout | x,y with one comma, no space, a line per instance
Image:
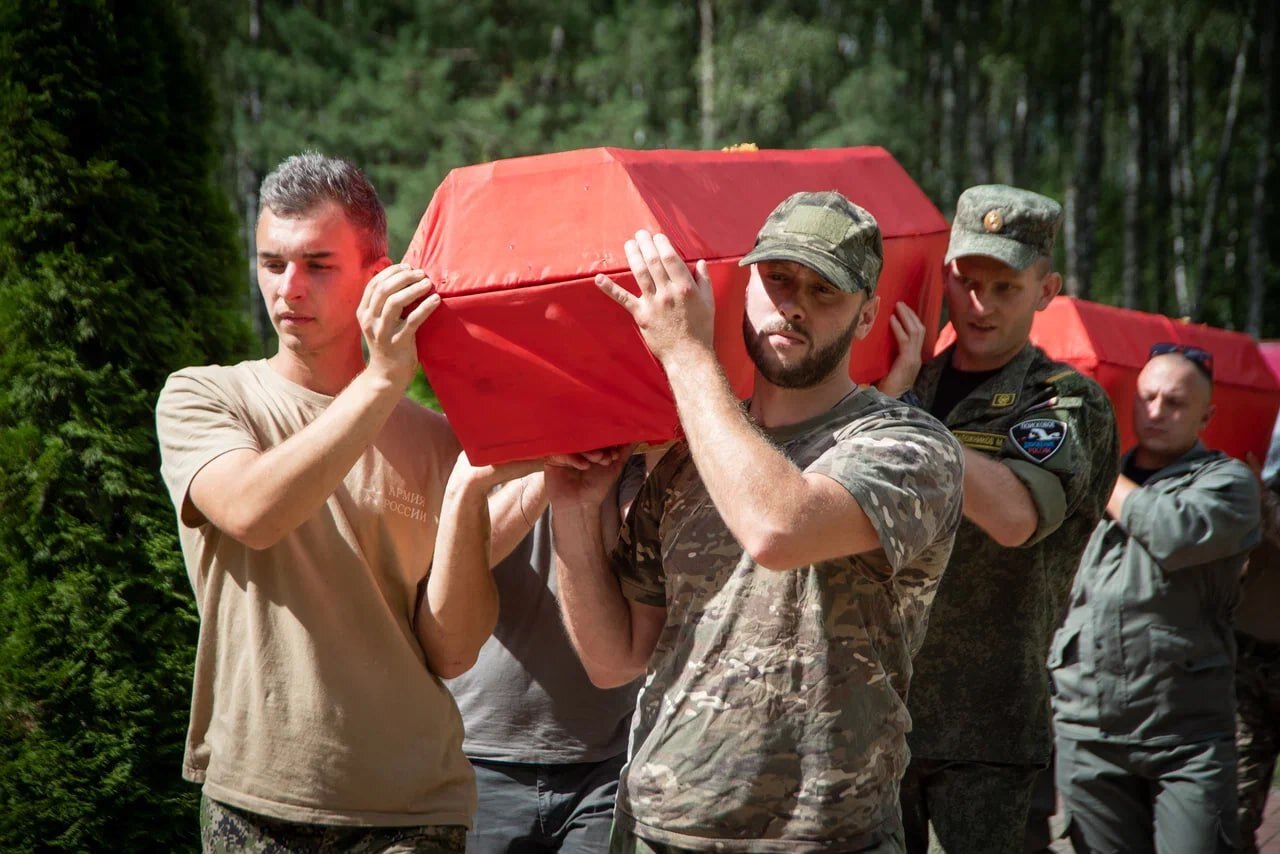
1257,731
624,841
226,829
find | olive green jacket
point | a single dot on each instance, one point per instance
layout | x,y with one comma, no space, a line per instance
980,690
1146,652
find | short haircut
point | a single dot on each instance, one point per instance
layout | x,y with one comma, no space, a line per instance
304,181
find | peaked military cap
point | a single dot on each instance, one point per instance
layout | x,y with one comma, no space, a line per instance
828,234
1012,225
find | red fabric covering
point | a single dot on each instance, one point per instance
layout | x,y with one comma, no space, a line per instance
1111,345
529,358
1271,355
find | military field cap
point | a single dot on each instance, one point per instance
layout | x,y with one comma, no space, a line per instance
1002,222
828,234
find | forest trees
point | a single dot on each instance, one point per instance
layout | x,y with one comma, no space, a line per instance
1154,121
118,263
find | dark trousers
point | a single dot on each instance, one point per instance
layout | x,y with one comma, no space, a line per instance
526,808
974,807
1137,799
1044,803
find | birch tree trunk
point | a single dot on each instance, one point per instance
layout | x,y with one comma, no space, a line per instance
946,137
707,74
1131,275
931,169
250,179
1082,185
1094,146
959,86
1209,213
977,133
1021,121
1178,191
1258,244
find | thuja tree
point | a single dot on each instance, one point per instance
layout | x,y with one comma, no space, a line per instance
118,263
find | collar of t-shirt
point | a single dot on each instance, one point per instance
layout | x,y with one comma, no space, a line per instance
852,401
954,385
1186,462
1137,474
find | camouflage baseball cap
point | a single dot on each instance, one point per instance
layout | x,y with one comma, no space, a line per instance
828,234
1002,222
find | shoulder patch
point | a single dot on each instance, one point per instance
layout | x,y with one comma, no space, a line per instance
1039,438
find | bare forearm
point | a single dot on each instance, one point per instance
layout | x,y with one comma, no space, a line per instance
513,510
996,501
751,498
460,607
597,616
259,498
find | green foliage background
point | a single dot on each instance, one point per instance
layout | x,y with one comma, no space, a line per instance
125,177
1033,93
118,264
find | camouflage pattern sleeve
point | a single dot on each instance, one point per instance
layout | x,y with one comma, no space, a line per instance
906,475
637,557
1066,452
1271,511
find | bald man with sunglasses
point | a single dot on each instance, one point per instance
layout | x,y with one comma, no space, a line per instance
1142,666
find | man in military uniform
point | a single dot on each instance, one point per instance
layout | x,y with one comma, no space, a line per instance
1258,671
774,576
1040,458
1142,666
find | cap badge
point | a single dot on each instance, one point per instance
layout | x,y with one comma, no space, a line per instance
993,222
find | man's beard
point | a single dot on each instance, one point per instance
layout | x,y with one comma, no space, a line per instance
806,374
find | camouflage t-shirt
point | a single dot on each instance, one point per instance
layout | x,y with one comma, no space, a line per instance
773,716
982,669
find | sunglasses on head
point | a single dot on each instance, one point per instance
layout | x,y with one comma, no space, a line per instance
1202,359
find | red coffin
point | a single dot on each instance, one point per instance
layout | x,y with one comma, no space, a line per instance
1271,354
1111,345
529,358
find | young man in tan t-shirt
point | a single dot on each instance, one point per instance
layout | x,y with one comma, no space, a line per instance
338,546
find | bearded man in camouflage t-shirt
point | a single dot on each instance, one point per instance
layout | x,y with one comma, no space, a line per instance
774,577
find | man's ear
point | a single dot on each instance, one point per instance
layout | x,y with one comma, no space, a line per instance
381,264
867,317
1208,414
1050,286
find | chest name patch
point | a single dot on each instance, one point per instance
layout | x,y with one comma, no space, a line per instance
979,441
1039,438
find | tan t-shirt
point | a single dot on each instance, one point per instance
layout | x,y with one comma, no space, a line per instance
312,699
